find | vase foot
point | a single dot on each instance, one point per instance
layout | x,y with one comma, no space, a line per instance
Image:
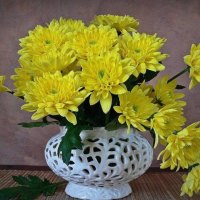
98,193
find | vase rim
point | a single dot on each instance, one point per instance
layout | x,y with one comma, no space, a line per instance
103,128
102,132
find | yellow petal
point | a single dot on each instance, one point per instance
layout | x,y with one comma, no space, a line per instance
73,108
2,87
156,141
106,103
117,109
28,107
38,115
94,98
71,118
51,111
193,83
121,119
59,105
118,90
63,112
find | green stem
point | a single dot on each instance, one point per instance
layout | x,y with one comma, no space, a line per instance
107,117
179,74
11,92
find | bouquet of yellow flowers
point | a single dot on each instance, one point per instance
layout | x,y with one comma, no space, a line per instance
97,75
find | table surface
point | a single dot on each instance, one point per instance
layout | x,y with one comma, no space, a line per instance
150,186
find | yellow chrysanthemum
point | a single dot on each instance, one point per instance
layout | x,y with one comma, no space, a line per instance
41,41
148,89
54,94
67,25
192,182
165,92
183,148
94,41
53,61
63,61
118,22
193,61
143,50
2,87
104,75
166,121
21,78
135,108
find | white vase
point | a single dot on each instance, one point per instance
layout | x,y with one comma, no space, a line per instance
108,161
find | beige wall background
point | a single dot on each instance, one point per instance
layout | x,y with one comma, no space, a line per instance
176,20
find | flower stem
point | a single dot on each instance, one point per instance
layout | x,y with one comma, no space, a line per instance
179,74
107,117
11,92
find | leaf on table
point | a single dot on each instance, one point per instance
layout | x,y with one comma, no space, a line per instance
29,188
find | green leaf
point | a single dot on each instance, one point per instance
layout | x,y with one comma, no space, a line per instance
29,188
91,115
113,125
71,140
131,82
149,75
21,180
180,87
36,124
62,121
10,193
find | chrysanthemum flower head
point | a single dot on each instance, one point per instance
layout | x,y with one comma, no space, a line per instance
41,41
165,92
63,61
192,182
166,121
94,40
67,25
21,78
135,109
54,94
2,87
51,62
104,75
193,61
144,51
183,148
148,89
118,22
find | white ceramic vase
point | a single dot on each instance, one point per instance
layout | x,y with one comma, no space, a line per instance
108,161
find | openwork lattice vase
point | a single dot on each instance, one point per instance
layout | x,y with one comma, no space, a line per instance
108,161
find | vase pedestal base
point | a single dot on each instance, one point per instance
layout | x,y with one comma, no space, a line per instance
98,193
